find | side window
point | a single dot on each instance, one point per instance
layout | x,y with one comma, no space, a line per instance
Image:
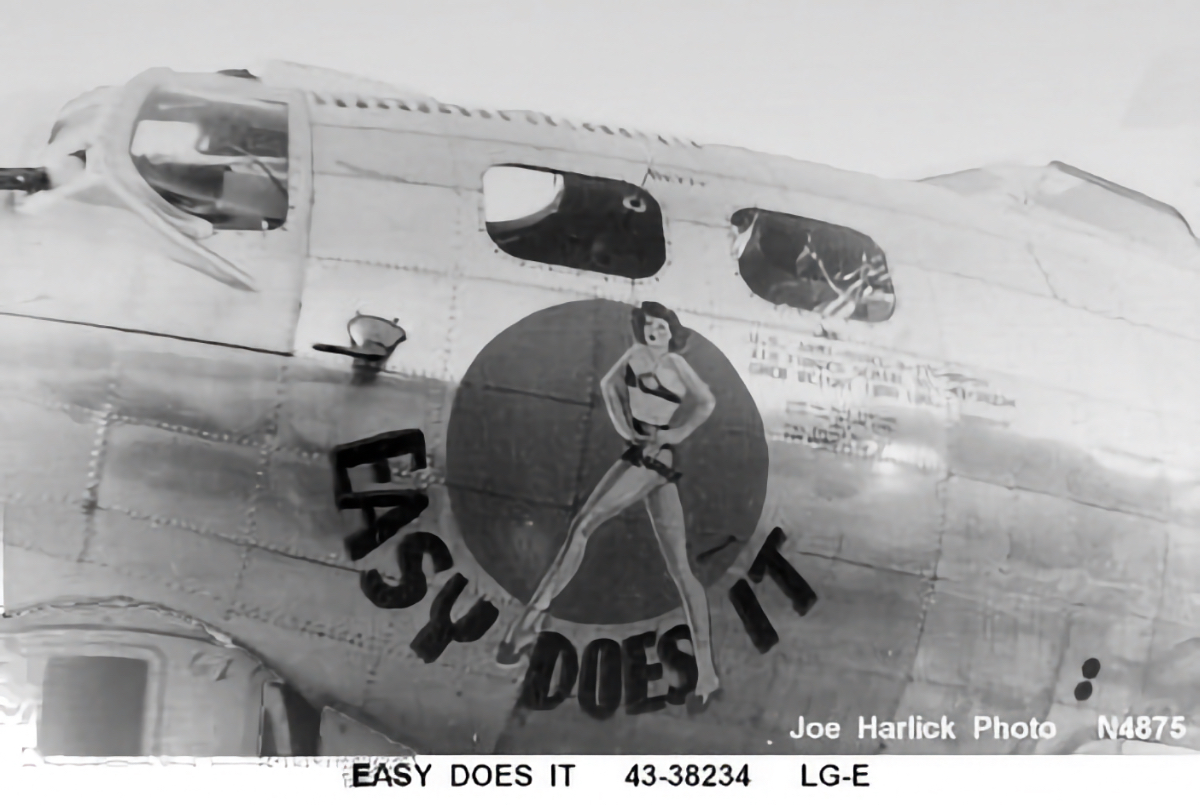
93,706
567,219
224,160
812,265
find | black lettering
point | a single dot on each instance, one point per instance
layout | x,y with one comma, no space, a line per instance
401,774
434,636
407,506
769,560
404,505
600,678
454,770
550,649
502,771
524,777
381,773
861,769
359,778
804,777
422,772
639,674
831,780
745,602
487,778
680,661
758,625
412,586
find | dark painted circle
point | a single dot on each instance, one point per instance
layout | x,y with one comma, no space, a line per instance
529,438
1083,691
1091,667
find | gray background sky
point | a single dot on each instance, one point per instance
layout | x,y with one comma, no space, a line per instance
892,87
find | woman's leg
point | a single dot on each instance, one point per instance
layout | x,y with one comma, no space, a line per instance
666,514
621,487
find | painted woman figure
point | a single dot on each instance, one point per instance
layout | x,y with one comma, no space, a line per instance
642,391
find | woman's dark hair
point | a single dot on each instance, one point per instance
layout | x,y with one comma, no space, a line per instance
679,333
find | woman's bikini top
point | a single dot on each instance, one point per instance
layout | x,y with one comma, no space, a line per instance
649,400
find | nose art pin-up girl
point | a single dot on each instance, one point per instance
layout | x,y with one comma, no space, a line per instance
643,391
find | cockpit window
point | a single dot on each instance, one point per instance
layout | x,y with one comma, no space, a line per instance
223,160
812,265
568,219
93,707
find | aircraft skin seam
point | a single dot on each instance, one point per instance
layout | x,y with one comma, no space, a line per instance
265,451
240,541
309,628
454,276
1064,648
356,172
18,498
528,115
505,496
113,327
366,643
212,436
1158,617
585,423
50,404
1144,515
536,394
250,526
207,435
913,574
410,267
119,604
928,594
377,657
1046,275
311,457
559,149
1109,316
91,494
1037,598
118,569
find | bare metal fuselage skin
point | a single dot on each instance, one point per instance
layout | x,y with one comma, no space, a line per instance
1030,499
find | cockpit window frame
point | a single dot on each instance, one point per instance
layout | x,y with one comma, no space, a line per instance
235,141
119,132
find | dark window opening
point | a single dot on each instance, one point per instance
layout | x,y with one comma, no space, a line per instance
222,160
304,723
268,747
285,713
93,707
812,265
567,219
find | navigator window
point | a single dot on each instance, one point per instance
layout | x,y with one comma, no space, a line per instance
812,265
